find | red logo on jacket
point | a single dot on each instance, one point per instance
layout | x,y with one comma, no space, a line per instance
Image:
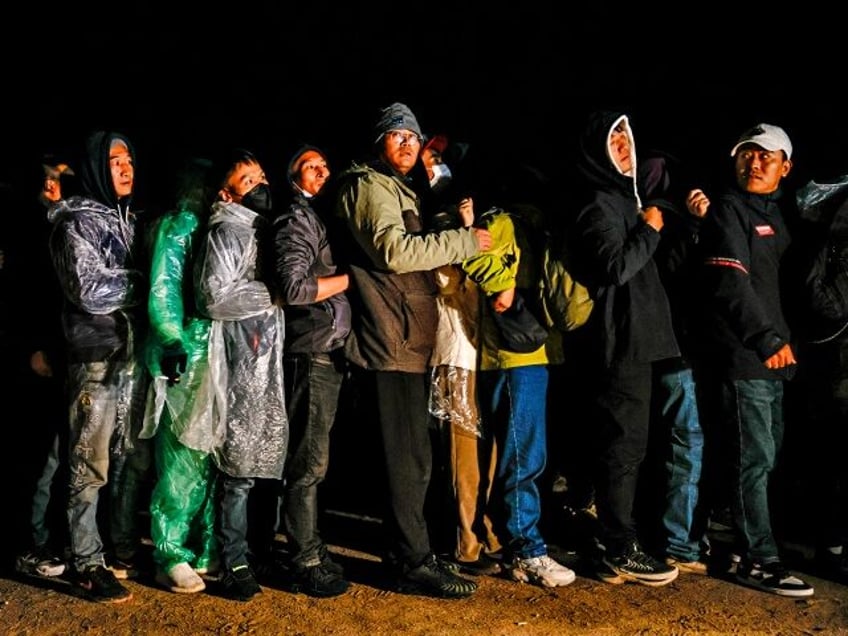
764,230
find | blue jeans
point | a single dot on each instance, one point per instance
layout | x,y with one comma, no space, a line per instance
232,527
313,383
41,496
685,539
107,402
753,413
513,400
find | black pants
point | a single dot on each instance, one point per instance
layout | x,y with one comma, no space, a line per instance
622,415
407,449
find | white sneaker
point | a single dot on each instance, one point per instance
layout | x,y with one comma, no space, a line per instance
542,570
181,579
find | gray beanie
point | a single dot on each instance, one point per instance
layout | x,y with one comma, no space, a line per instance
396,117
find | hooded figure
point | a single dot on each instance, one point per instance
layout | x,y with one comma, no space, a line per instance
614,250
629,329
92,246
94,254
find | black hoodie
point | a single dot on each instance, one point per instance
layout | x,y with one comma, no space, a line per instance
613,252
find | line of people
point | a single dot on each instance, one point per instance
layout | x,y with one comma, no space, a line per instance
210,347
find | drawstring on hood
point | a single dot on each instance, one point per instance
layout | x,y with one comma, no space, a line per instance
595,160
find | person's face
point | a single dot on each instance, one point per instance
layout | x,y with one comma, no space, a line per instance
400,149
121,166
242,180
430,157
759,170
619,149
51,190
313,172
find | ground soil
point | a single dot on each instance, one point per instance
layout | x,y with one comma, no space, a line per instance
690,605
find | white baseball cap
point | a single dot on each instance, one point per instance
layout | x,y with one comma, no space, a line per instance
765,136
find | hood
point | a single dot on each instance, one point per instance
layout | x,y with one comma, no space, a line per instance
95,176
290,168
594,162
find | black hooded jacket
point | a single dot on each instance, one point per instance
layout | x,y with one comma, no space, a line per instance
612,250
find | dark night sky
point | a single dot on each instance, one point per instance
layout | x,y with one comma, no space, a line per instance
514,81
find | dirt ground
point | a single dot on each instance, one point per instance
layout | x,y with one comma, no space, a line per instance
690,605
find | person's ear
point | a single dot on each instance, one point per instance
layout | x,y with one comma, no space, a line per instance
787,166
224,195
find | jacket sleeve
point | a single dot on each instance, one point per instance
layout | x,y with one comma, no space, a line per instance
495,270
226,284
727,263
616,248
86,278
167,269
296,247
375,211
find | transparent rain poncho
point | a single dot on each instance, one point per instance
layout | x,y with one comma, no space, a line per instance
181,416
245,345
453,395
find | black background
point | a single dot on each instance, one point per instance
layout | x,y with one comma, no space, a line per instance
514,81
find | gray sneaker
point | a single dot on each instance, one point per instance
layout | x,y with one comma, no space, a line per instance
541,570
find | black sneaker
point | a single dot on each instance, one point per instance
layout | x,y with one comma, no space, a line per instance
435,577
239,583
773,578
318,581
40,562
637,566
832,566
100,584
483,566
328,563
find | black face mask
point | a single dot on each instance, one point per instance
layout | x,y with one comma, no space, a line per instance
258,199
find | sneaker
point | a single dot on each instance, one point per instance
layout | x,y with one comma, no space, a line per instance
240,584
435,577
774,578
541,570
319,581
606,574
328,563
100,584
639,567
40,562
483,566
690,567
831,565
181,579
122,568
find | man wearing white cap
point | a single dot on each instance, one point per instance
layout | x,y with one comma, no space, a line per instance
746,340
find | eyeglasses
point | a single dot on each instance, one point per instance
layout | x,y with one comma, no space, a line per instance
399,137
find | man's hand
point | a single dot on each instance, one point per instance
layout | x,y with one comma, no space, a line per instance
466,212
783,358
173,364
653,217
484,238
503,301
697,203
